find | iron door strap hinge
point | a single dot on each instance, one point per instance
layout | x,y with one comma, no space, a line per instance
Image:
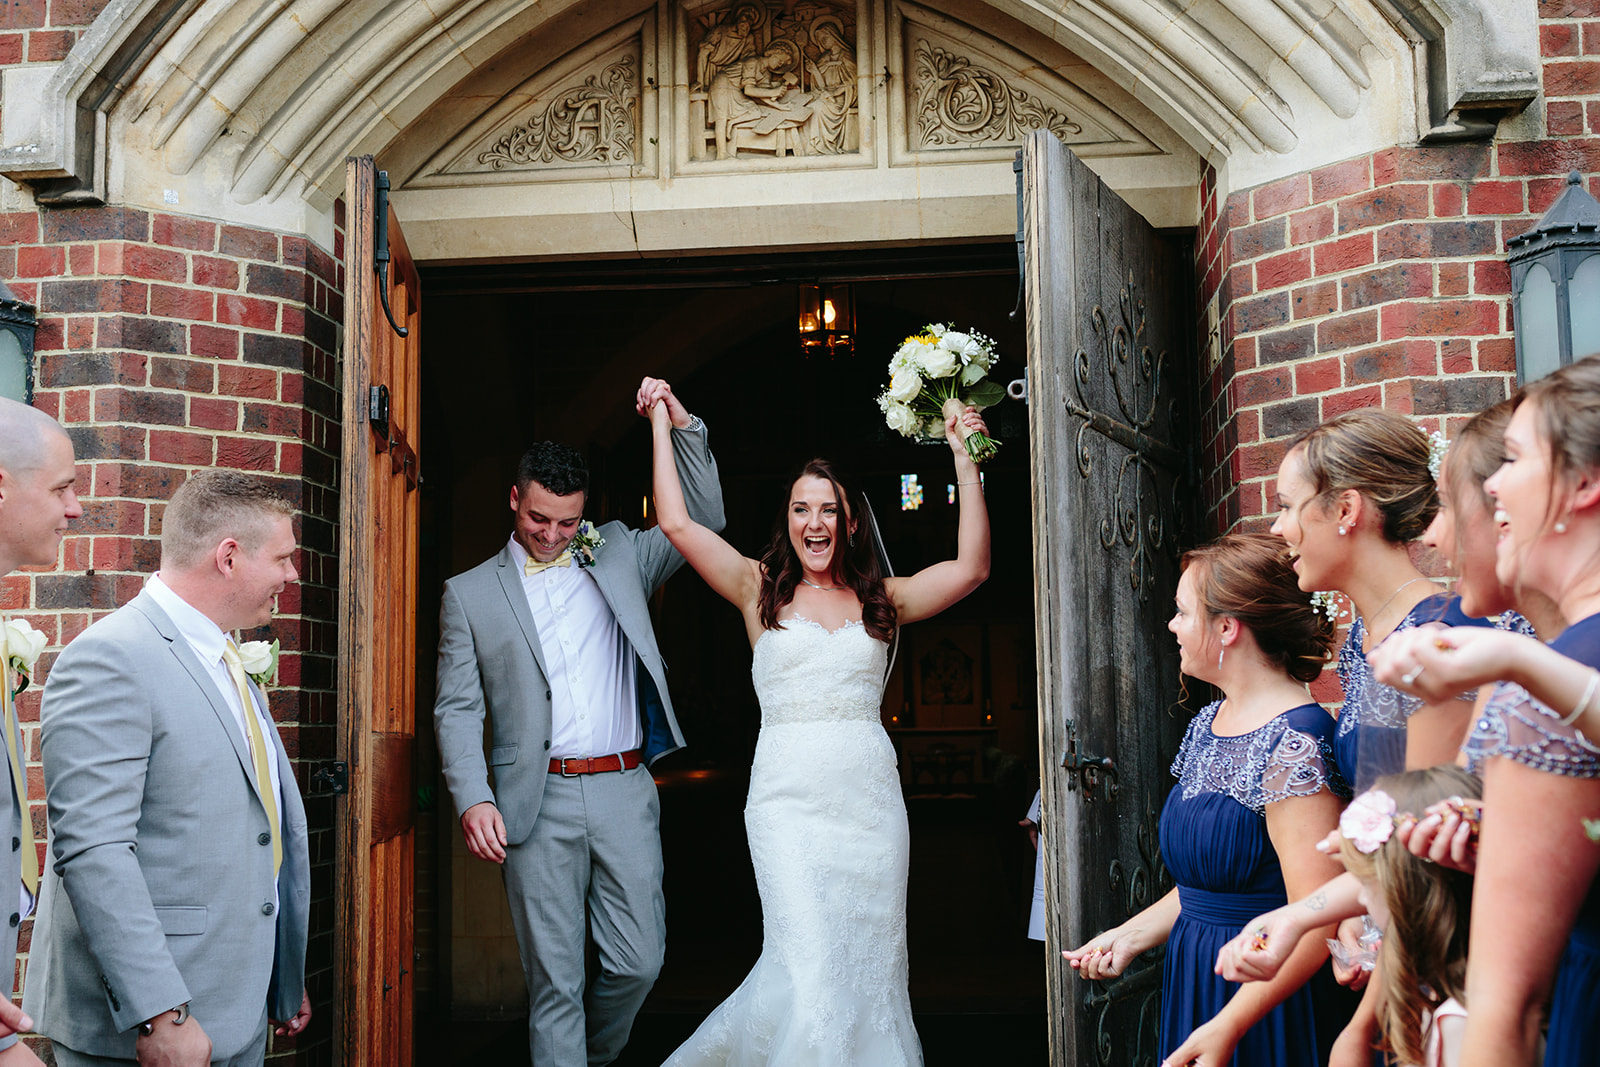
333,778
380,251
1022,240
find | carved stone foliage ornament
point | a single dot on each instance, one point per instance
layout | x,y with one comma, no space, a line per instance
773,79
960,102
592,122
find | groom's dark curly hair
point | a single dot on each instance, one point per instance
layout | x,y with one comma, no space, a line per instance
559,468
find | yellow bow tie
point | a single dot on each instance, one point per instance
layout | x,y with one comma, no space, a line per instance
533,566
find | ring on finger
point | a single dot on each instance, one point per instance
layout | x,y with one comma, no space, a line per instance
1412,675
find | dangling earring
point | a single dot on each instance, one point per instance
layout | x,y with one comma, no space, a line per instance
1223,651
850,536
1561,527
1342,530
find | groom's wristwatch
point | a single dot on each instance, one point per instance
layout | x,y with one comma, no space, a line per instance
148,1027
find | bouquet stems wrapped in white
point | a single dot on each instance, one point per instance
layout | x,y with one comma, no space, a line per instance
937,373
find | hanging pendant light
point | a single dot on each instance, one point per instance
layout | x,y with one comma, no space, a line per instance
827,320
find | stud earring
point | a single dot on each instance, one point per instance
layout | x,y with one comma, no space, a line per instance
1561,527
1342,530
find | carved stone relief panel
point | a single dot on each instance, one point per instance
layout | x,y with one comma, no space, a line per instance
771,79
964,90
589,113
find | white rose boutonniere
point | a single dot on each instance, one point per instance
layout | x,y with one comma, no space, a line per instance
260,659
584,543
25,643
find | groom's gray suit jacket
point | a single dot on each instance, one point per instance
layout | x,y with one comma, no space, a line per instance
161,844
490,659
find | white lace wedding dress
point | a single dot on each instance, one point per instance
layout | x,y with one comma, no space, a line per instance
827,828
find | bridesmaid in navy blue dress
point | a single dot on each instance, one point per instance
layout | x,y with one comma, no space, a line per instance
1257,788
1536,912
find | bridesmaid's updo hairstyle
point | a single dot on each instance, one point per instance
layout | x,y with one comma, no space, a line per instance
854,564
1248,577
1382,456
1567,406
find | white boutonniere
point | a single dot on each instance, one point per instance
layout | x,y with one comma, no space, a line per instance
260,660
25,644
584,543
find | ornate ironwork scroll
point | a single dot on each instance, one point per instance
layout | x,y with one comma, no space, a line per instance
589,123
959,102
1140,519
1148,880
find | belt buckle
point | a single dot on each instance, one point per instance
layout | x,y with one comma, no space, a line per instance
570,759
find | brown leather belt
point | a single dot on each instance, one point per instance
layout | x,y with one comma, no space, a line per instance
573,766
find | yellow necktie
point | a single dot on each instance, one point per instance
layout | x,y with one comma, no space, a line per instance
534,566
19,780
258,748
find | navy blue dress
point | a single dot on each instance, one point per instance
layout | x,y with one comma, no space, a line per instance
1214,842
1517,727
1370,740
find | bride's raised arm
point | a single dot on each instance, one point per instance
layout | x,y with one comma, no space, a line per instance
935,588
734,577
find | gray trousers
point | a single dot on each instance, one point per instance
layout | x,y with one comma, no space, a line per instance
254,1054
595,848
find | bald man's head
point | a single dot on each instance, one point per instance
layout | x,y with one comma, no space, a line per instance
25,434
37,474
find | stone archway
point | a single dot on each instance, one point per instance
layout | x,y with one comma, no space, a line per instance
245,111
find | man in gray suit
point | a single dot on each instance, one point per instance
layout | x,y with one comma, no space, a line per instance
563,661
178,898
37,501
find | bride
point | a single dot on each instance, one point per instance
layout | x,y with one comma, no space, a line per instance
825,816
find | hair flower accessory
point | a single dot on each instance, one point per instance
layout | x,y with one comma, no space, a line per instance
584,543
1329,602
1369,821
25,643
260,661
1437,446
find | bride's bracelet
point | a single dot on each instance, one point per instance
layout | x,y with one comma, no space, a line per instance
1588,695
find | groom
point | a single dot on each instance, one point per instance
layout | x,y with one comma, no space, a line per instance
551,639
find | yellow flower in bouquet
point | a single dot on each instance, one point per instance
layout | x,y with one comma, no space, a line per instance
938,372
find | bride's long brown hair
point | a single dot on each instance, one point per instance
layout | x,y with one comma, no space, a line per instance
854,562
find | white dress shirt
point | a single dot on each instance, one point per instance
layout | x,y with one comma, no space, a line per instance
207,639
589,662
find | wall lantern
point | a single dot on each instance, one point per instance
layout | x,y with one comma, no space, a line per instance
18,322
827,320
1555,284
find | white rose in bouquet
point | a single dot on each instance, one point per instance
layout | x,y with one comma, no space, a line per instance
906,356
905,385
939,362
901,419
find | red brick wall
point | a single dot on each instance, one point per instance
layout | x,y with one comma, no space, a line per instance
1382,279
167,344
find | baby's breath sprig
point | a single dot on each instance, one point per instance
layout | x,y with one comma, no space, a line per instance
1328,602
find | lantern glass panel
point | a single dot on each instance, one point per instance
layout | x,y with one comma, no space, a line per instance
1583,307
810,308
13,367
1536,324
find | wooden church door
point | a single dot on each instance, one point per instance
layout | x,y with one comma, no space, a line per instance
1111,419
378,574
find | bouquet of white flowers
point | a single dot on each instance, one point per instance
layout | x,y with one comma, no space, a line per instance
938,372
